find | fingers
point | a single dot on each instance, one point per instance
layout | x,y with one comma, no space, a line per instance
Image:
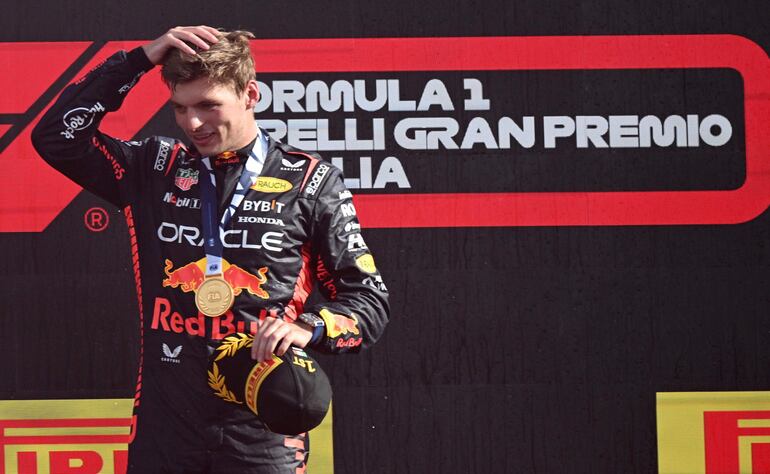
199,36
271,332
256,345
214,33
254,348
181,45
275,336
284,346
183,38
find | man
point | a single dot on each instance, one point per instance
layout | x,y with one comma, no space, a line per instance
258,221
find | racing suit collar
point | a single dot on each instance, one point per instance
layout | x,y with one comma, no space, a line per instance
234,157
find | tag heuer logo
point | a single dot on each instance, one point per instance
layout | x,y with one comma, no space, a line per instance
186,178
171,356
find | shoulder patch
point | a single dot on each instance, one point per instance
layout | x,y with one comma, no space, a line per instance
316,179
162,157
168,150
294,164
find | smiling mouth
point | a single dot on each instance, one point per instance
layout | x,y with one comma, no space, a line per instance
202,137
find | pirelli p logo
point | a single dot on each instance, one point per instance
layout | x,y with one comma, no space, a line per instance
737,441
714,432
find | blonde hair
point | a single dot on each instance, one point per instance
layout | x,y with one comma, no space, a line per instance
226,62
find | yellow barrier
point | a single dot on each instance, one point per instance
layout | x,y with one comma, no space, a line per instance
90,436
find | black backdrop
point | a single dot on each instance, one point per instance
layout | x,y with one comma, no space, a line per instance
510,349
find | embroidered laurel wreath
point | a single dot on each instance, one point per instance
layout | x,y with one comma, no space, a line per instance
228,348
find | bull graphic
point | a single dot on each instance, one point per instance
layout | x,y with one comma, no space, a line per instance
189,277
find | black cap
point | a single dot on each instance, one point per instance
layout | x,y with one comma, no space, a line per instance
290,394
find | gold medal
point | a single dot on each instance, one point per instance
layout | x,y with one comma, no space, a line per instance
214,297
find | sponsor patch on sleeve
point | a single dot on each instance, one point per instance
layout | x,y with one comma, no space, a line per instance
161,159
366,263
315,181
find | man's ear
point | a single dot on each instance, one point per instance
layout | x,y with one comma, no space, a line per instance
252,94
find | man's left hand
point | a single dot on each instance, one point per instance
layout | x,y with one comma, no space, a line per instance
276,335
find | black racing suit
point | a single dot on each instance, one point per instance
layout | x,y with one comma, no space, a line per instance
295,229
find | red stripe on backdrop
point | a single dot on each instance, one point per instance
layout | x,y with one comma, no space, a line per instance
505,53
25,210
35,66
67,439
22,206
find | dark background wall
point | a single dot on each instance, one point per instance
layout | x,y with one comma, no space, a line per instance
511,349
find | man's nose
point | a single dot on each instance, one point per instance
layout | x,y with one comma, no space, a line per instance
194,122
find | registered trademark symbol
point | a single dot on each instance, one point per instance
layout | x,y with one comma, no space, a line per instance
96,219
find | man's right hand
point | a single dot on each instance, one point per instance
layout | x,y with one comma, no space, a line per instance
178,37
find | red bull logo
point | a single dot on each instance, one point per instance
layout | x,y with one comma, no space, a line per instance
338,325
226,158
189,277
165,318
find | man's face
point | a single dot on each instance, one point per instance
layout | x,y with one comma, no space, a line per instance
213,116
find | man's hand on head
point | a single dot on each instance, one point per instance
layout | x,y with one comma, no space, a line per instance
181,37
274,336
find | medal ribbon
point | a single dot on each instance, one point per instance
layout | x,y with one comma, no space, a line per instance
212,243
